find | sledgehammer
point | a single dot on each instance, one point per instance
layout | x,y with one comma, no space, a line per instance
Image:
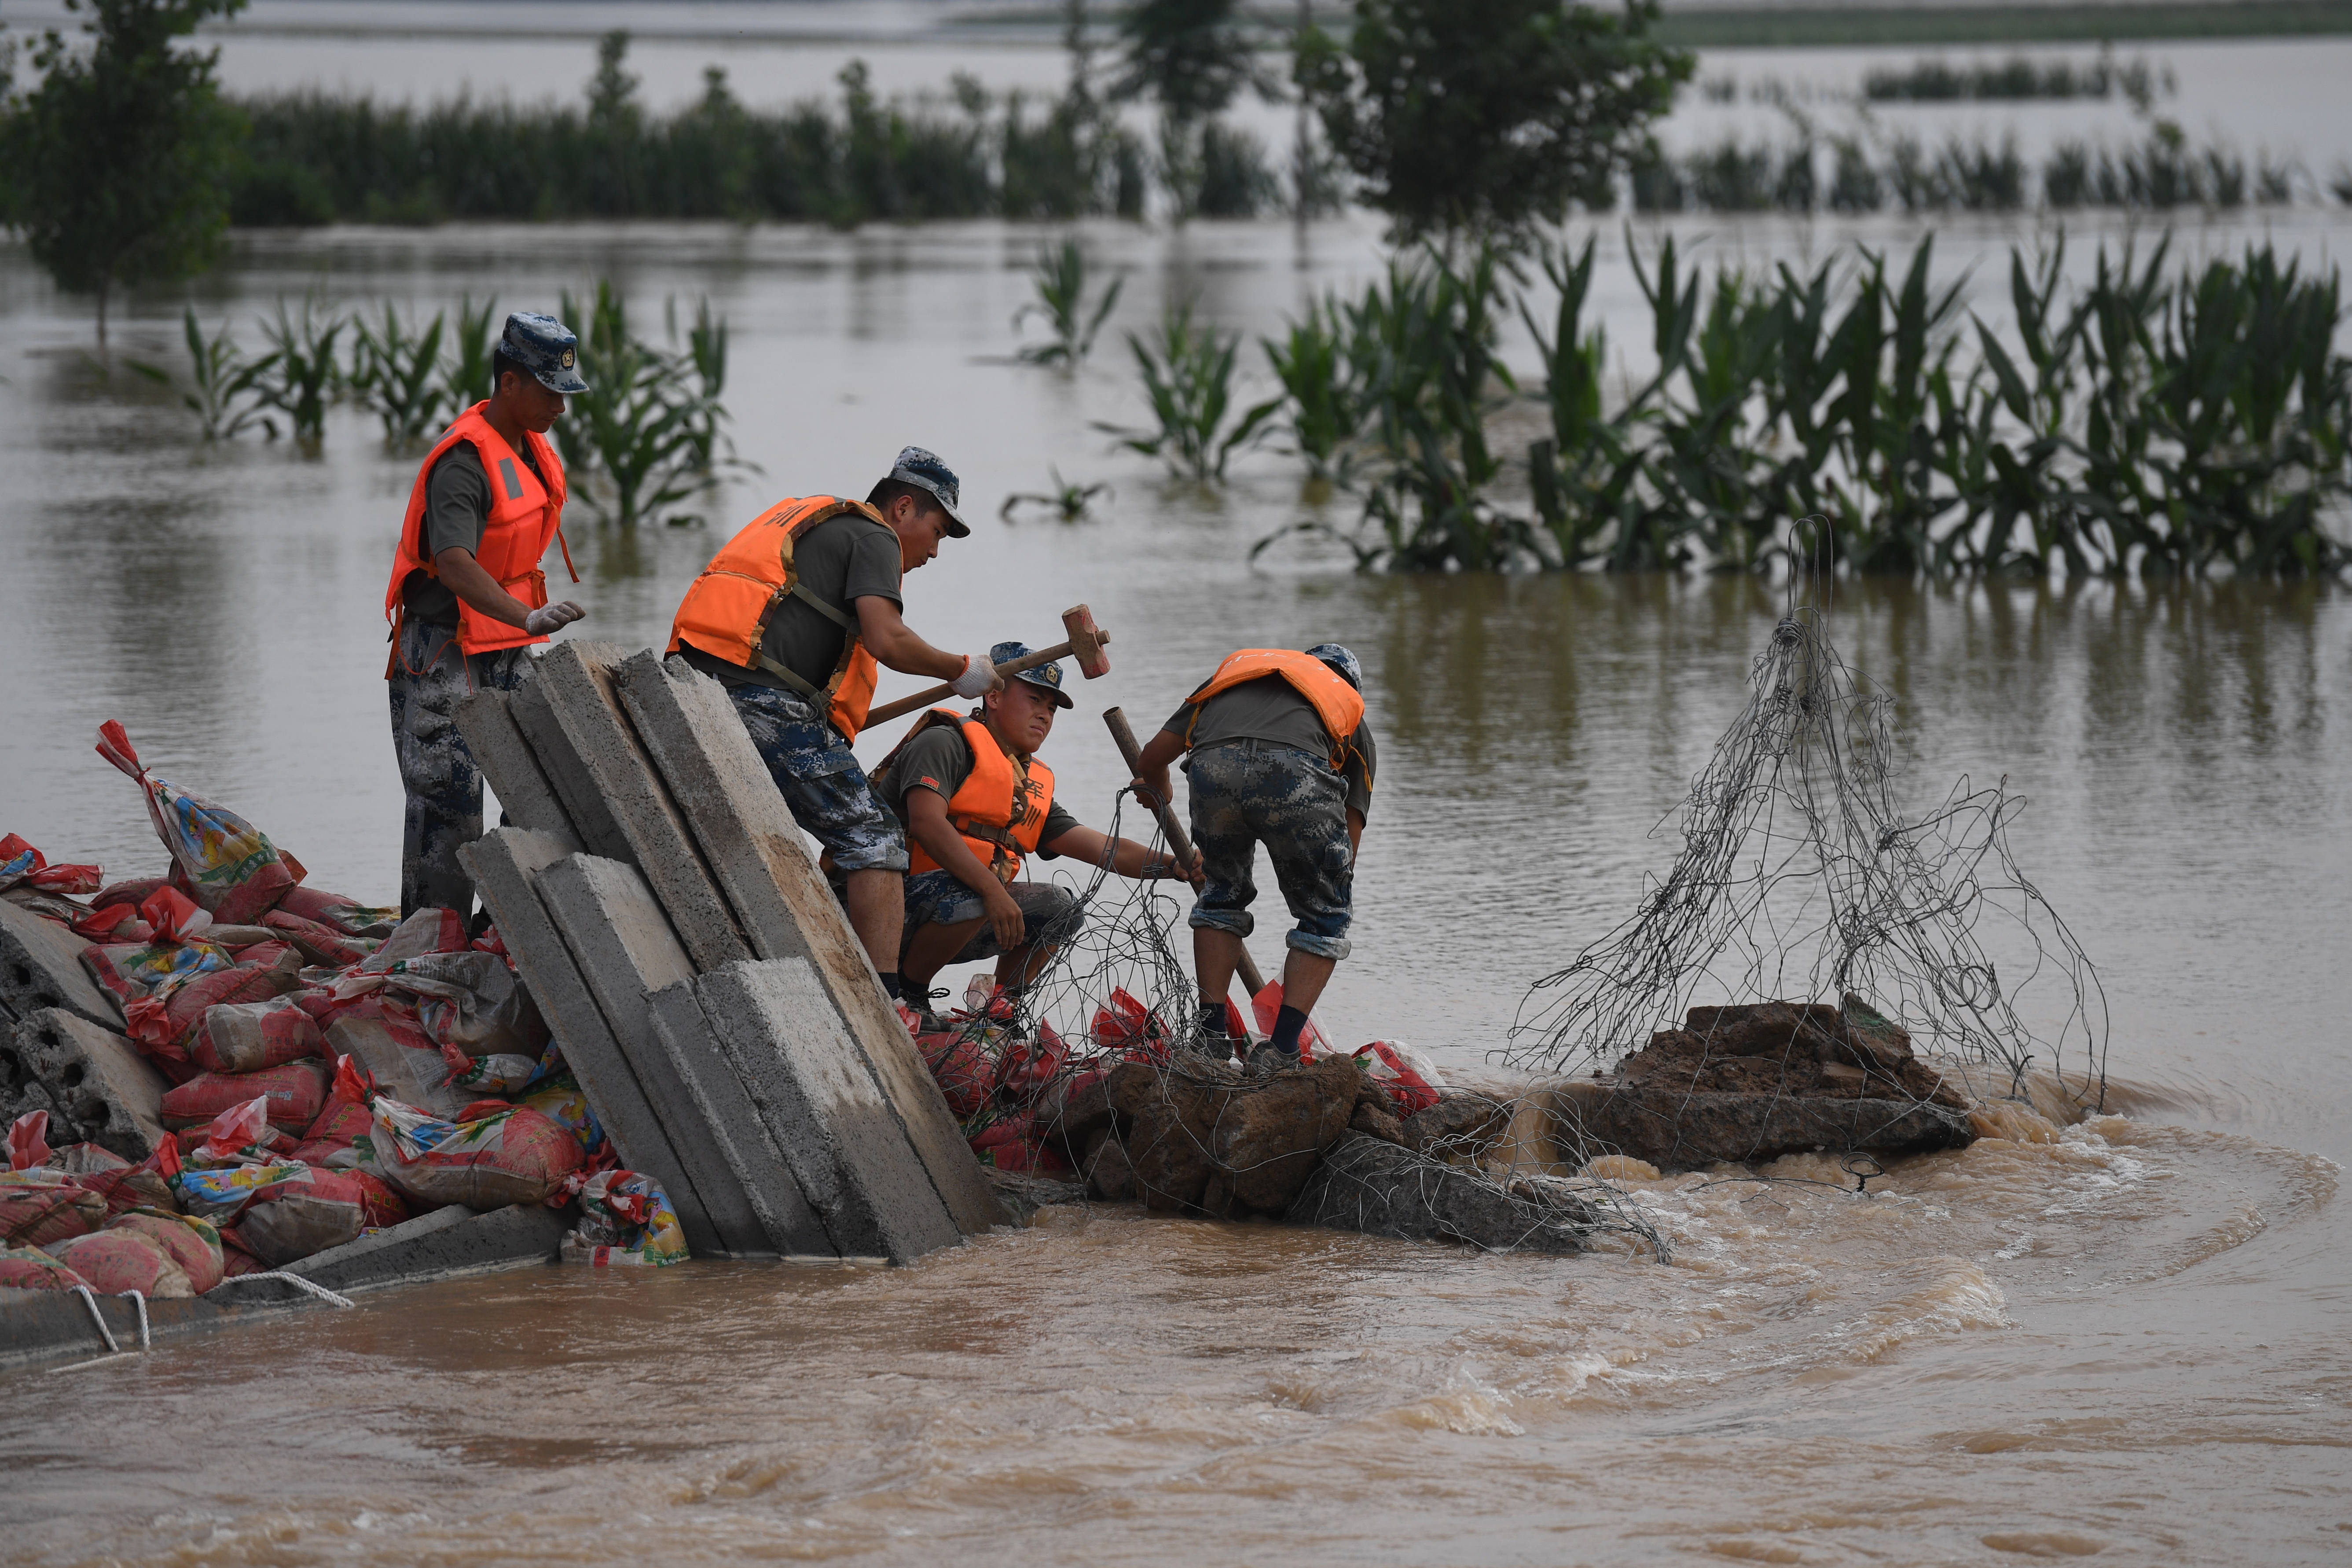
1086,641
1179,843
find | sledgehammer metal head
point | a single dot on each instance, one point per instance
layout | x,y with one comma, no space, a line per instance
1086,641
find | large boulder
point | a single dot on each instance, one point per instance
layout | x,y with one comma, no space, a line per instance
1365,1183
1202,1138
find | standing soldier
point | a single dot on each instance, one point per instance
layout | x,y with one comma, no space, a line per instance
1282,757
795,615
467,594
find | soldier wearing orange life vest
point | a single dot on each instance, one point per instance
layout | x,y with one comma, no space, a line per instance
795,615
1280,756
977,801
468,593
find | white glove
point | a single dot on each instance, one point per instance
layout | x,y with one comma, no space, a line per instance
551,618
979,676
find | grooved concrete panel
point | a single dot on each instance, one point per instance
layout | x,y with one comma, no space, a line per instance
502,864
437,1245
728,1093
506,760
411,1077
576,679
93,1083
753,849
40,966
627,951
592,819
849,1151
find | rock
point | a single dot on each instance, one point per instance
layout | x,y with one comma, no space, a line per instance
1072,1110
1362,1183
1372,1120
1872,1040
1022,1193
1775,1029
1677,1129
1111,1175
1174,1114
1272,1130
1459,1124
1205,1139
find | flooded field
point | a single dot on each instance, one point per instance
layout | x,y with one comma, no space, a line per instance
2130,1338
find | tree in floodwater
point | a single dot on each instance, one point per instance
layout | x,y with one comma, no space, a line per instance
1193,58
1482,115
117,158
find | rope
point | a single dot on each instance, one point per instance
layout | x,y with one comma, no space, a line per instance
90,1300
320,1291
139,1299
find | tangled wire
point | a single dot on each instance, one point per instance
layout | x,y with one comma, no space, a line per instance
1800,877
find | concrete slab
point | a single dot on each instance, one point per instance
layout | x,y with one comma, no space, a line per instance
93,1083
412,1077
576,678
54,1325
502,864
40,966
754,851
825,1111
525,795
728,1092
560,763
444,1245
627,951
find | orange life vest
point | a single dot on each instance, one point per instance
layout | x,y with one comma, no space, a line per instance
1001,809
727,609
1339,705
525,515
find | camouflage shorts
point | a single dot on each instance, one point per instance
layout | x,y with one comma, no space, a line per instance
1048,913
436,770
820,781
1249,792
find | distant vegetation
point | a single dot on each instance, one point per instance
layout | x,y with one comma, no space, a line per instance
2150,422
2013,80
1699,27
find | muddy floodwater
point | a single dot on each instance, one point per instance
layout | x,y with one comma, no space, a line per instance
2130,1338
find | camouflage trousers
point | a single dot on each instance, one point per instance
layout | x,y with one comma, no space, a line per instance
1248,793
821,780
444,786
1049,913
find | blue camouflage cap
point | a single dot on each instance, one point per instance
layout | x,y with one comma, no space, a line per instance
544,349
1339,660
1048,676
921,468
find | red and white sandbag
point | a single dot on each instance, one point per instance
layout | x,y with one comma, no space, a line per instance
307,1211
118,1261
246,1036
40,1207
296,1092
223,861
193,1243
512,1156
344,1121
30,1268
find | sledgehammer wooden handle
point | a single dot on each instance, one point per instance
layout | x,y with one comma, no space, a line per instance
1179,842
925,698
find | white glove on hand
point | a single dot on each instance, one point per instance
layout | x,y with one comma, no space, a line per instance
551,617
979,676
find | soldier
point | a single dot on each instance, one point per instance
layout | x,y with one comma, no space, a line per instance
795,615
467,594
1280,756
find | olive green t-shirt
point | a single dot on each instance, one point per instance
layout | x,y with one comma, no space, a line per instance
456,511
941,759
841,559
1271,708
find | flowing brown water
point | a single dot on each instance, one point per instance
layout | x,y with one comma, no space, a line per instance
2129,1337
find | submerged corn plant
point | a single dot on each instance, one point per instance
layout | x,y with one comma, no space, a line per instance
472,348
306,375
647,432
227,391
1060,279
397,370
1188,378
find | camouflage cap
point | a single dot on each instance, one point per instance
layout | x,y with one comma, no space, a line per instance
1048,676
1340,660
544,349
922,469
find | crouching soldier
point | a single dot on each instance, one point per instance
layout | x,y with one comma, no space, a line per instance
795,615
1280,756
467,594
977,803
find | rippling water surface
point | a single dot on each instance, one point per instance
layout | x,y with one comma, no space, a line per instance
2128,1338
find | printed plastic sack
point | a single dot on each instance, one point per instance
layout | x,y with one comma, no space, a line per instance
220,1195
1125,1025
113,923
473,1000
339,912
1410,1078
194,1244
133,970
23,866
229,865
626,1221
1026,1066
163,1027
246,1036
132,891
30,1268
1267,1006
1012,1144
40,1207
116,1261
344,1121
962,1067
174,916
307,1211
123,1185
427,931
499,1074
382,1204
29,1141
563,1102
320,943
296,1092
513,1156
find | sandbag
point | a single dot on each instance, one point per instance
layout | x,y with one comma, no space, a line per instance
220,1195
193,1243
514,1156
1267,1007
1026,1065
472,1001
41,1206
561,1101
133,970
123,1185
320,943
29,1141
344,1121
961,1068
626,1220
296,1092
30,1268
339,913
246,1036
307,1211
22,866
174,916
165,1026
116,1261
227,863
383,1203
1410,1078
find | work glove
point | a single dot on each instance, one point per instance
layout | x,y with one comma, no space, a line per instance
549,619
979,676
